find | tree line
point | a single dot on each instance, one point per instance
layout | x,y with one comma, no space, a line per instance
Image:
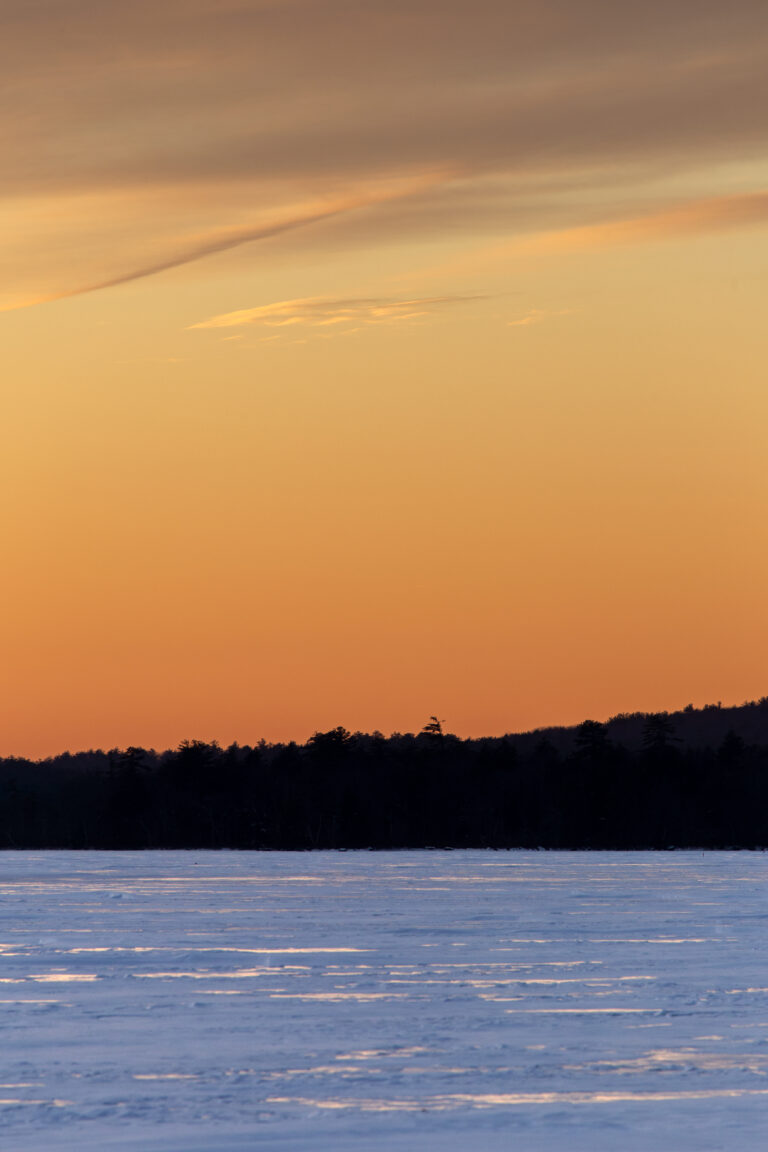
638,781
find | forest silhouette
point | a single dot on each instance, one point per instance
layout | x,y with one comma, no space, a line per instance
695,778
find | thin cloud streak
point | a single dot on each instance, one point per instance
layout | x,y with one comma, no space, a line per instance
210,248
236,239
321,312
537,316
695,217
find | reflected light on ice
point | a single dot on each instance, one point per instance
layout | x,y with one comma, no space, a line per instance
165,1076
223,992
64,978
668,1058
373,1053
511,1099
9,1003
361,996
582,1011
202,974
14,1101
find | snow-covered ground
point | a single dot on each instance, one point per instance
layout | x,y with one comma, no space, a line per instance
224,1001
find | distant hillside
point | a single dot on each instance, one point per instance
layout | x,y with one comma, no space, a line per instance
704,727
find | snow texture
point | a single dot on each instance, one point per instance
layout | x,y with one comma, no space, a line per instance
356,1002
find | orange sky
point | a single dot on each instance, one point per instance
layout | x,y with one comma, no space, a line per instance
366,361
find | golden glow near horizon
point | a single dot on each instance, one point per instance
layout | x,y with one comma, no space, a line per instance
366,363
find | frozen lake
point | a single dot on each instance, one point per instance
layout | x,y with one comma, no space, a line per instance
222,1001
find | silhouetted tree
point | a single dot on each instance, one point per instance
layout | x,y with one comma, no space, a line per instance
433,728
591,740
658,731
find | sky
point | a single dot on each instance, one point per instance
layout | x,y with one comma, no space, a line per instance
361,362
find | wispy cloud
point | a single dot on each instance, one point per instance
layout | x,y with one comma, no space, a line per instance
182,116
536,316
321,312
697,216
692,217
224,240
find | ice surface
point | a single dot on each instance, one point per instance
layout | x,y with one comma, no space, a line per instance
356,1002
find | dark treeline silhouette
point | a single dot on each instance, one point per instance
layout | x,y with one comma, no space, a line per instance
696,778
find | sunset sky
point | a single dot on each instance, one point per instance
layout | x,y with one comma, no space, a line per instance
363,361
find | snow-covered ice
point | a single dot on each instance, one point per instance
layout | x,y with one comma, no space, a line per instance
314,1002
